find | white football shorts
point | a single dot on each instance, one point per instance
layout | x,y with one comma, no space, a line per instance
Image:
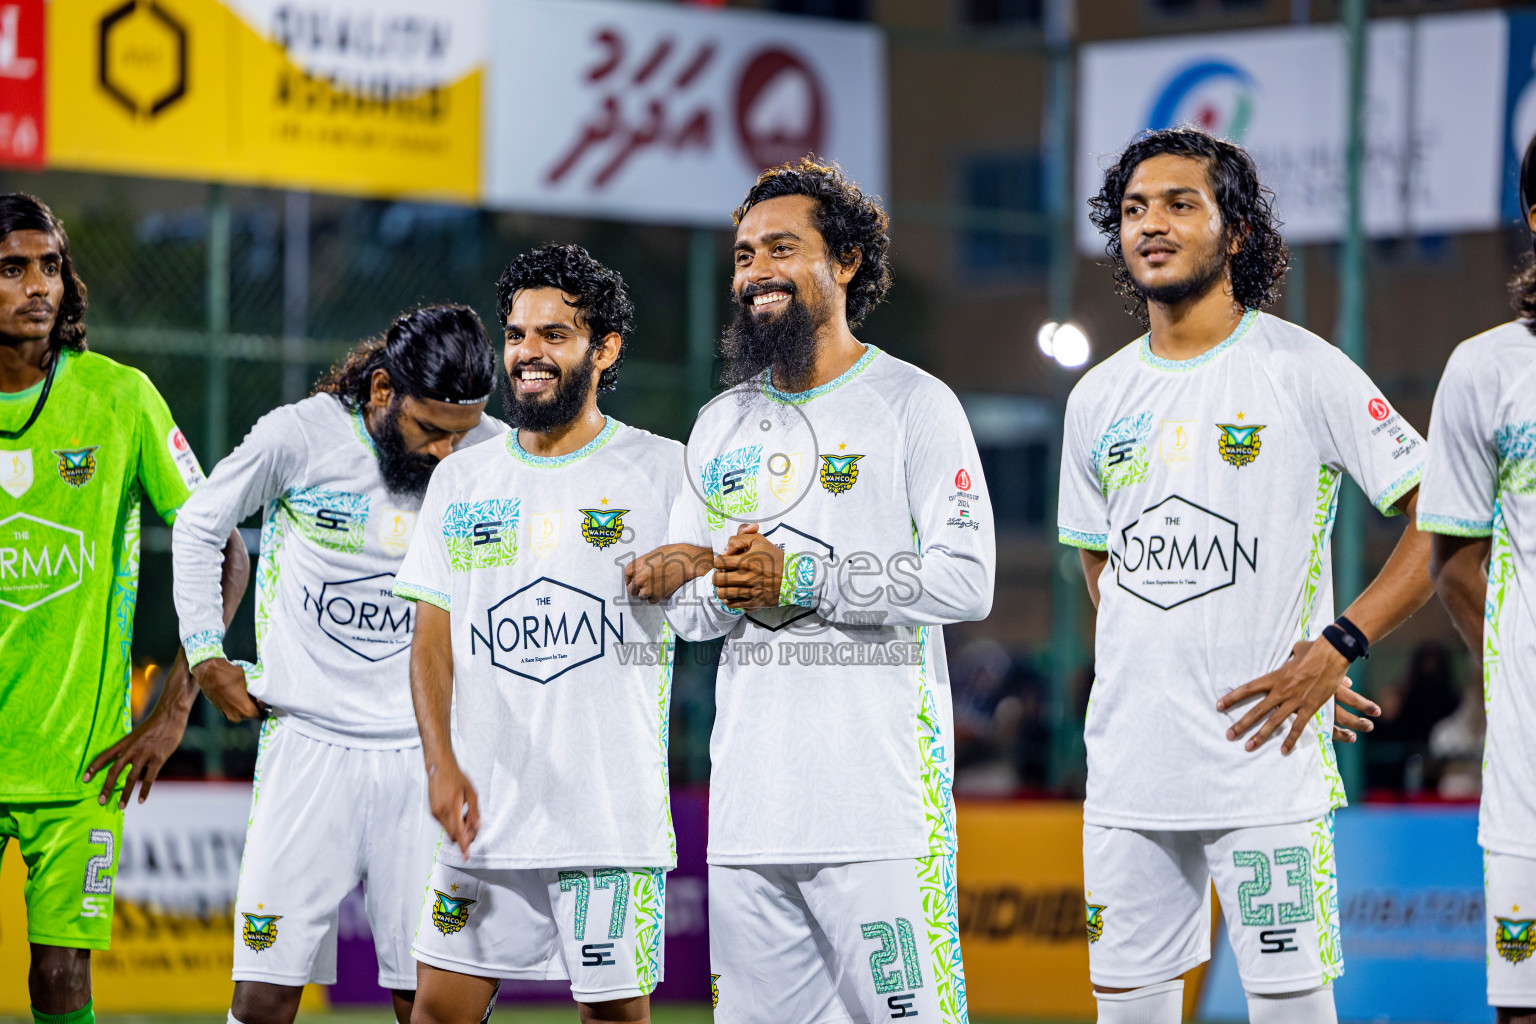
324,818
1149,904
599,927
836,943
1509,883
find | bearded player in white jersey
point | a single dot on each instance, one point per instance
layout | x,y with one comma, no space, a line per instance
541,690
831,823
339,795
1200,475
1479,501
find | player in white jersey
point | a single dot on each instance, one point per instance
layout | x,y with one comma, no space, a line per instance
841,490
339,794
1479,501
550,780
1200,474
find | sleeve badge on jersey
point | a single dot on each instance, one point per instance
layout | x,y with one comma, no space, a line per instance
185,458
839,472
1515,940
77,465
260,930
450,913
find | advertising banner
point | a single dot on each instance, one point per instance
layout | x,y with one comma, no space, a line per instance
22,140
1520,114
372,97
1435,111
660,112
1410,918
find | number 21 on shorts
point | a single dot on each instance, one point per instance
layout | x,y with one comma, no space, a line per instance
899,990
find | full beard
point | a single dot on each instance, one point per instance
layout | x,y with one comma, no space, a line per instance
404,472
785,342
541,414
1208,273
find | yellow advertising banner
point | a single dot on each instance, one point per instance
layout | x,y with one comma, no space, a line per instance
367,97
1023,924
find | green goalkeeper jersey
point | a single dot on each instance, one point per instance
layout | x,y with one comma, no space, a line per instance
70,491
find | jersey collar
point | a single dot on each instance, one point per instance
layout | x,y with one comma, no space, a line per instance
1157,362
517,451
801,397
361,429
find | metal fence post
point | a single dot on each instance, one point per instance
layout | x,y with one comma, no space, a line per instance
1349,553
295,295
215,439
702,325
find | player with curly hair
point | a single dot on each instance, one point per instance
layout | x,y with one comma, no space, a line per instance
543,701
1199,478
84,441
831,823
340,793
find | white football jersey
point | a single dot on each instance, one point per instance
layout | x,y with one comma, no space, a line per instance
1481,482
1212,483
833,737
332,641
561,684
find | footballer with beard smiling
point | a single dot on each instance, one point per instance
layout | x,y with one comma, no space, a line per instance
1199,478
340,477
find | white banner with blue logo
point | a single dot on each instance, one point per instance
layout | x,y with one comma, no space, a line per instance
1282,93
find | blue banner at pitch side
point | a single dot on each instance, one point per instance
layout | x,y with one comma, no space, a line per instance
1411,917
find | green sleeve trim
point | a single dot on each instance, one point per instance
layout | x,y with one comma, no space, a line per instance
1089,541
1451,526
203,646
416,592
797,585
1392,495
721,606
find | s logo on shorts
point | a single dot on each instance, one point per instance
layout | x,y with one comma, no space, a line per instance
450,913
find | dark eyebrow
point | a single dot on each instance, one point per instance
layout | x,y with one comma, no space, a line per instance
21,261
772,236
431,428
1167,193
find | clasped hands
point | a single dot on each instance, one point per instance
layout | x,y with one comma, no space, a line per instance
747,573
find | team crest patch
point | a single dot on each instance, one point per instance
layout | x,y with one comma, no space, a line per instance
1095,922
77,465
260,930
602,527
1238,445
1515,940
839,472
450,913
714,991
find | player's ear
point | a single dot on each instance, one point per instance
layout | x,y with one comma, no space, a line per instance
380,390
848,263
608,349
1530,218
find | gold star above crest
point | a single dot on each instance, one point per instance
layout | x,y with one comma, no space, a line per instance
1240,417
1516,910
842,447
261,906
605,501
454,887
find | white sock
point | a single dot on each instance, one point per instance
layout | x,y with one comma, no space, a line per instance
1314,1006
233,1019
1151,1004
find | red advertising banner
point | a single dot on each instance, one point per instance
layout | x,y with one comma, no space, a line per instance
21,83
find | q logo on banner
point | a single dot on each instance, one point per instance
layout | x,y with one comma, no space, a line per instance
1211,94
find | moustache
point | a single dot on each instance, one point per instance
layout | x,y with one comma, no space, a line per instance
752,291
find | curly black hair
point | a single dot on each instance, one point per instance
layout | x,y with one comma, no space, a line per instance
849,221
1247,212
602,305
434,352
1522,287
21,212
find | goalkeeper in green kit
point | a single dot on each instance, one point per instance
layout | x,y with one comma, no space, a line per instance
83,440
